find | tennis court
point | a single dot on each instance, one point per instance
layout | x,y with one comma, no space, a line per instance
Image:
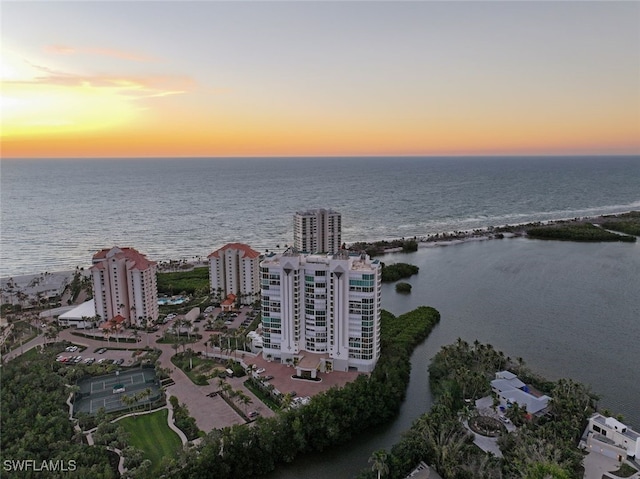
107,391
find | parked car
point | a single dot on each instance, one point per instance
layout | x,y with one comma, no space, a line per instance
260,371
119,361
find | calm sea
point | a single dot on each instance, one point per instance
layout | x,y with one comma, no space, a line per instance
571,310
57,213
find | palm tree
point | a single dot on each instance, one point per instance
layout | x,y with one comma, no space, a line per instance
286,401
225,387
379,462
127,401
243,399
187,324
52,333
147,395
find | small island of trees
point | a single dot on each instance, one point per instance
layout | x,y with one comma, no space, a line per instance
397,271
403,287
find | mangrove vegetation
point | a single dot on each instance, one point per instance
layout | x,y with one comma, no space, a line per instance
331,418
541,447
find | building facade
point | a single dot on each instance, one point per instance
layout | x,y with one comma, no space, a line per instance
324,309
610,437
125,284
317,231
234,269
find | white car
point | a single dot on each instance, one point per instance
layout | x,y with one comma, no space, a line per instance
261,370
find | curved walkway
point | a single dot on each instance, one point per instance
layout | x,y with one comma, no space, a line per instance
209,413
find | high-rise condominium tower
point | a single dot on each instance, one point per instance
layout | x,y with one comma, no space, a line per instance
325,308
233,269
124,284
317,231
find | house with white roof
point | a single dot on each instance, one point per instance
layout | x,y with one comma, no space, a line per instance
611,438
82,316
511,390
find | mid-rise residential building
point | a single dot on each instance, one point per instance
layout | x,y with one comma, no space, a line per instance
125,284
317,231
321,312
234,269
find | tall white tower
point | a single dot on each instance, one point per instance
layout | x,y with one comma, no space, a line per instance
324,306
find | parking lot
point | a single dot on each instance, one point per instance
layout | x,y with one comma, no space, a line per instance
81,355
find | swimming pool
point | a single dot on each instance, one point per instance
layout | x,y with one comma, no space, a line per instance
171,301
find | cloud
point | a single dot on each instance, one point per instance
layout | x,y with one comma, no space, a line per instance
59,49
131,86
108,52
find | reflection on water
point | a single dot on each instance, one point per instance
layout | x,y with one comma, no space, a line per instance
570,310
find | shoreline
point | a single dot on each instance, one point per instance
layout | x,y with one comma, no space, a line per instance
507,231
448,238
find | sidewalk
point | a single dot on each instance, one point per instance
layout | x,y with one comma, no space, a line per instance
209,413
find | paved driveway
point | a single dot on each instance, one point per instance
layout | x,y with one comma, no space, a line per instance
595,465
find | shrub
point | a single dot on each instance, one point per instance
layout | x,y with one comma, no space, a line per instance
403,288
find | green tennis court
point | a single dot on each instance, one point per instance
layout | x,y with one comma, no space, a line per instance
107,391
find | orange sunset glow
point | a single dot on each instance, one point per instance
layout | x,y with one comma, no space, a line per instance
239,89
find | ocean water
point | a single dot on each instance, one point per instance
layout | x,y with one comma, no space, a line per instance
569,309
56,213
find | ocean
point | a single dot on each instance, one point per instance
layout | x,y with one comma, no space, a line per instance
55,214
569,309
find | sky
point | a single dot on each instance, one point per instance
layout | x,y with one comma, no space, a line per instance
301,78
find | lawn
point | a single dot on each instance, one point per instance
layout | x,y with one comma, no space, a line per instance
151,433
203,369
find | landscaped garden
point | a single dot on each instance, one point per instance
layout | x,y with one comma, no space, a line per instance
486,426
199,369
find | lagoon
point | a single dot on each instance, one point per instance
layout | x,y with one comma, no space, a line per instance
569,309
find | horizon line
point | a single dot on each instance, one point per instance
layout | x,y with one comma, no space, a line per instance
217,157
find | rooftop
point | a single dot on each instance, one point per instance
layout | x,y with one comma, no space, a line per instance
135,259
611,423
247,251
84,310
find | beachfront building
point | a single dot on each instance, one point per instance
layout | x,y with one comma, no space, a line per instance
511,390
321,312
234,270
124,284
611,438
317,231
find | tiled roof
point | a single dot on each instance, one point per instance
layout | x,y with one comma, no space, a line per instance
246,249
229,300
113,322
136,259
